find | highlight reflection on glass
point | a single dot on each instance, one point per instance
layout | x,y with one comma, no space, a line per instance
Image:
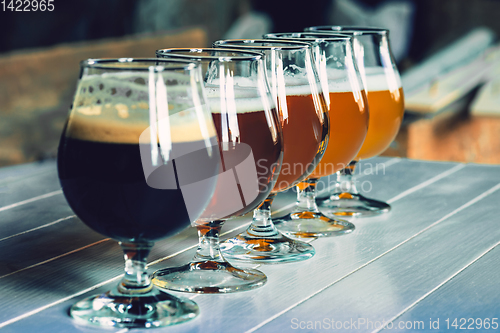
348,114
303,116
138,160
250,141
386,104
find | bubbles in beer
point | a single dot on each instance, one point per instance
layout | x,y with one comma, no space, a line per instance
115,108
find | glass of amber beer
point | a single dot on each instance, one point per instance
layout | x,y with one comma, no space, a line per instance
348,112
249,132
304,120
386,103
138,160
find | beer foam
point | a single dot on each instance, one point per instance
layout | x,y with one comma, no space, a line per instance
118,131
376,80
120,88
241,95
115,108
104,130
300,90
241,105
245,90
338,80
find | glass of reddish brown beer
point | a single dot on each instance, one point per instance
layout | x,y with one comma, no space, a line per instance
303,115
250,143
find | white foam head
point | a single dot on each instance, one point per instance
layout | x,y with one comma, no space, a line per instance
239,94
380,79
116,108
376,79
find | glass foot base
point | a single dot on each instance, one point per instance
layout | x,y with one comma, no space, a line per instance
356,205
156,309
208,277
312,224
272,249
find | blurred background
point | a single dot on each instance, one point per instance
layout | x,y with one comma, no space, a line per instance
446,51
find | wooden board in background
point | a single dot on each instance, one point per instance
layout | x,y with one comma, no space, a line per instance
37,87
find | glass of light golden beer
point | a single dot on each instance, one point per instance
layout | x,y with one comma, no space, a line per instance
386,103
304,118
249,135
348,114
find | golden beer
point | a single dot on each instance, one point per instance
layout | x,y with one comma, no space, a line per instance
348,127
386,115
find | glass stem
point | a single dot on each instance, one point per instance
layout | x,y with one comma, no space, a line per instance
136,280
345,180
208,244
306,196
262,224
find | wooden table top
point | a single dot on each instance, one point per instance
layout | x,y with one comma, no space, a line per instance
433,261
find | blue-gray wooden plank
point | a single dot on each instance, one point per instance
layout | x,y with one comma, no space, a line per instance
338,258
35,214
383,288
22,170
370,291
253,305
25,182
473,294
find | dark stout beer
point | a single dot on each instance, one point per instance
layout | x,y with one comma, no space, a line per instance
105,184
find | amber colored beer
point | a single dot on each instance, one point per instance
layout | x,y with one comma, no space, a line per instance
255,135
386,115
348,127
304,134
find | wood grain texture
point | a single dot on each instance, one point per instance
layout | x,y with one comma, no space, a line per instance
338,258
474,293
25,182
441,221
388,285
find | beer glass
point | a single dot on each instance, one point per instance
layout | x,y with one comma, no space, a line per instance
386,103
250,141
137,161
348,114
304,119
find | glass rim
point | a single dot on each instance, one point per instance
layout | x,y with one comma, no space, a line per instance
292,45
348,29
322,35
245,55
107,63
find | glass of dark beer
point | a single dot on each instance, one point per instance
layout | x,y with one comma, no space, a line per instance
303,114
386,103
348,114
250,143
138,160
